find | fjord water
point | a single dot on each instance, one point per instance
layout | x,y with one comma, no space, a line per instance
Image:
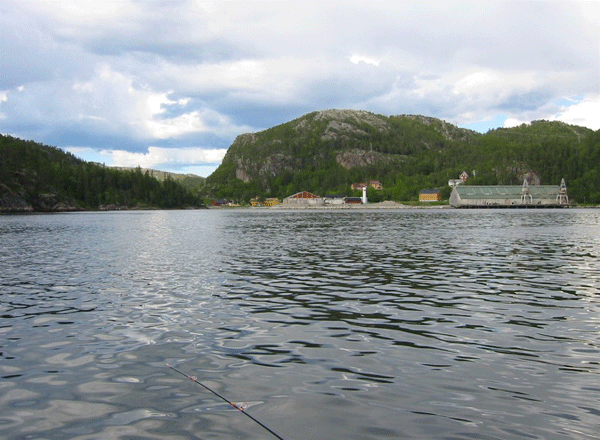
351,324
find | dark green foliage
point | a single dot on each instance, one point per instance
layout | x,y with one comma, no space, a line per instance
34,174
406,154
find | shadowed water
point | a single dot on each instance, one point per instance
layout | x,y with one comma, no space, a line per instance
409,324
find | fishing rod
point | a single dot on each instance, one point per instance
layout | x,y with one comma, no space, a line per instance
236,406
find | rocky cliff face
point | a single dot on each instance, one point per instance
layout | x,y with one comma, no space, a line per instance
247,169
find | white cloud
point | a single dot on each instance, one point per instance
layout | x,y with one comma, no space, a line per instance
203,171
585,112
493,86
175,127
160,157
356,58
3,98
477,82
78,150
582,112
199,161
513,122
272,81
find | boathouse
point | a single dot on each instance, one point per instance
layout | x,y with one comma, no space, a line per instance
510,196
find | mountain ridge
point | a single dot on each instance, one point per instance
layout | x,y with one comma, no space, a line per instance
326,151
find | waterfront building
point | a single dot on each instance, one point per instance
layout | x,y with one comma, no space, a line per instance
510,196
303,198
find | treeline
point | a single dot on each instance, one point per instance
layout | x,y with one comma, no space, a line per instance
44,177
412,153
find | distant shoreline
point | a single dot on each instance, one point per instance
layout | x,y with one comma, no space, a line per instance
381,205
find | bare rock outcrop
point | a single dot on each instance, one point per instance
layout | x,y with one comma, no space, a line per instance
356,158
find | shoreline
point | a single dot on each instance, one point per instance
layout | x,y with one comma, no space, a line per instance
380,205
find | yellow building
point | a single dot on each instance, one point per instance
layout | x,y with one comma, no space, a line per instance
430,195
258,202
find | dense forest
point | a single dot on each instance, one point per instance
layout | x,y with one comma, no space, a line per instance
36,177
325,152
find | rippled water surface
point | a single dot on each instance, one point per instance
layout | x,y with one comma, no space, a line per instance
359,324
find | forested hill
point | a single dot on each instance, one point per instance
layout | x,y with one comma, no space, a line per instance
36,177
325,152
190,181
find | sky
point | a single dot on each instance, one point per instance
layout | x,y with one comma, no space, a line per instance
169,84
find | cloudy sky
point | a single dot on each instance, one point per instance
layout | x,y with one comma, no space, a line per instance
169,84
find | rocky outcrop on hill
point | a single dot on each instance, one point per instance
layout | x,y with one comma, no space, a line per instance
449,131
346,124
359,158
13,201
272,165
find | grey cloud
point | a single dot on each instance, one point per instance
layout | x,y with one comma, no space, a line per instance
525,101
29,54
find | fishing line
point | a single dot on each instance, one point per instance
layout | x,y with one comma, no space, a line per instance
238,407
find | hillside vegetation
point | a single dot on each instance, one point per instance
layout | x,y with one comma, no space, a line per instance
190,181
325,152
36,177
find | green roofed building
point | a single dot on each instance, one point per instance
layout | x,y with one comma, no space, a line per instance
510,196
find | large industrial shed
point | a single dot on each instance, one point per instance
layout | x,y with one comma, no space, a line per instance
509,196
303,198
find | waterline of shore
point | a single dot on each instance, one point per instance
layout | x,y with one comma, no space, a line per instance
388,204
